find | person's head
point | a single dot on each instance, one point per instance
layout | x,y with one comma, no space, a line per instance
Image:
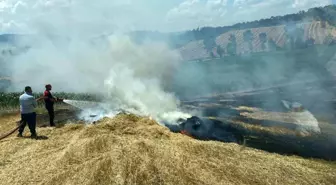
48,87
28,90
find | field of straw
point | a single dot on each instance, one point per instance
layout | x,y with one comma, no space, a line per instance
133,150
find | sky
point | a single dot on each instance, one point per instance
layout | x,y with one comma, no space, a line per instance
156,15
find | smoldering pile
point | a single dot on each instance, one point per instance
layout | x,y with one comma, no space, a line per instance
303,120
207,129
203,129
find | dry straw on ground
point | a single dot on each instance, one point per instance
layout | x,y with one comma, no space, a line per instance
133,150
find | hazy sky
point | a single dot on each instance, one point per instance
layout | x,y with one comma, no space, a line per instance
162,15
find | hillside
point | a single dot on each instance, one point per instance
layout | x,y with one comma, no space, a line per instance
287,32
320,32
133,150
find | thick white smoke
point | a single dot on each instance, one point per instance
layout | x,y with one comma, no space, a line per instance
77,47
130,76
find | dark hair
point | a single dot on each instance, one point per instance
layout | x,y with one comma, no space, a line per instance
48,85
27,88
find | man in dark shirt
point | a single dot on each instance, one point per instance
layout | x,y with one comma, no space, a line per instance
49,101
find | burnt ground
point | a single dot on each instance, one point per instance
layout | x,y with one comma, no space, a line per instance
261,133
63,115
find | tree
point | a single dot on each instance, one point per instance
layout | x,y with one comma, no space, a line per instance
295,36
310,42
272,46
209,44
232,45
289,28
220,51
298,35
248,38
263,40
328,39
323,24
212,55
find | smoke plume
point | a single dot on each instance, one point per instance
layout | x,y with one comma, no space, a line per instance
77,48
81,46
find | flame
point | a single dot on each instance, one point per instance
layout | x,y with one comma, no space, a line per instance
184,132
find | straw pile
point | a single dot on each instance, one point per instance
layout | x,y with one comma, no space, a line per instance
133,150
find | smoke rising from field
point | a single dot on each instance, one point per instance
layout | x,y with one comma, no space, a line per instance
128,75
82,47
77,48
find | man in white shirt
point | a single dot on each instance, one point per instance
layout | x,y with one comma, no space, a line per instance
28,114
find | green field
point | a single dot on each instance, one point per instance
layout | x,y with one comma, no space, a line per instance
10,101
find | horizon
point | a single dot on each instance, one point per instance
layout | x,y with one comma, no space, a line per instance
148,15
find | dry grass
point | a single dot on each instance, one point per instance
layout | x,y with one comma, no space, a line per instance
134,150
274,130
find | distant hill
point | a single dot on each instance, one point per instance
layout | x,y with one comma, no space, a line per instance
261,39
300,30
7,38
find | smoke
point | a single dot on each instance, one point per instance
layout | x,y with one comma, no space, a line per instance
93,111
82,47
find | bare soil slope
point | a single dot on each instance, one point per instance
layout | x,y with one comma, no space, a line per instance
134,150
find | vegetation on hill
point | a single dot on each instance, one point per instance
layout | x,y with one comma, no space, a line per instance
292,31
263,39
325,14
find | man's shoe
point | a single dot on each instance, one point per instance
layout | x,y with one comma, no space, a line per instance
34,136
19,135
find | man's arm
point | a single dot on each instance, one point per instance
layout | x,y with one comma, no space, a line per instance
33,101
40,98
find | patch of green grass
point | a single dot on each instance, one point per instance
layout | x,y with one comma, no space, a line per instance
10,101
